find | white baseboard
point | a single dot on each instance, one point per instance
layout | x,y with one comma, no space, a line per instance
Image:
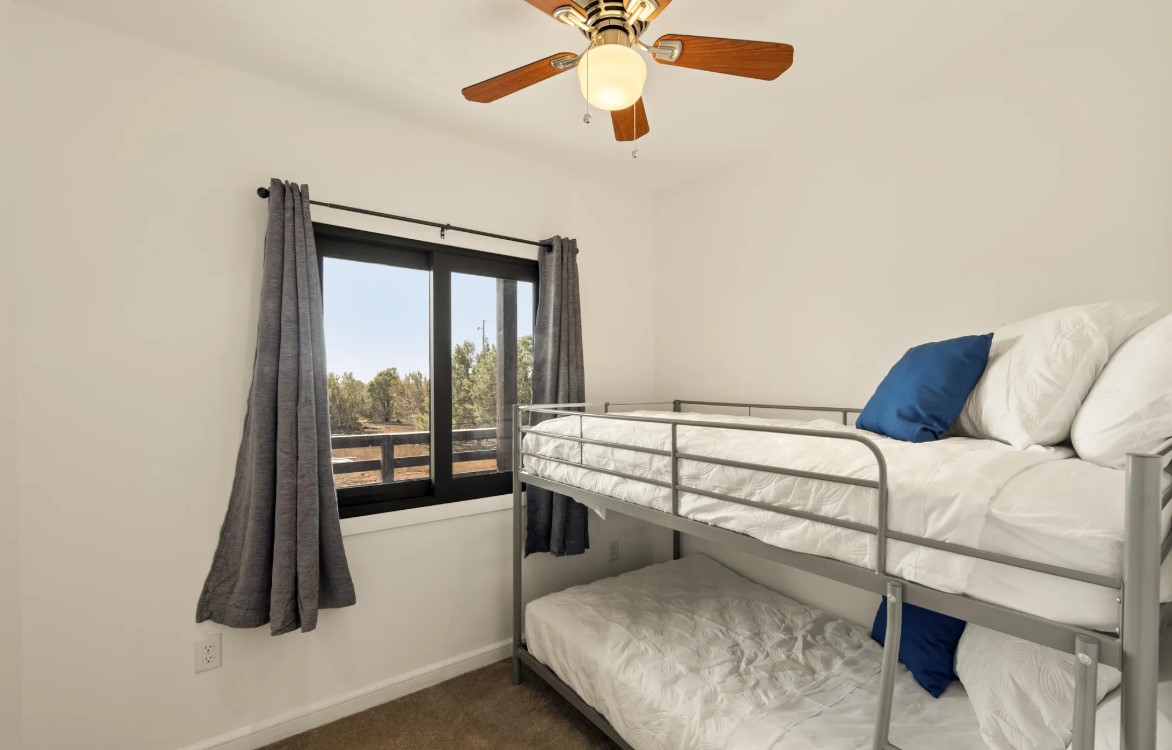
313,716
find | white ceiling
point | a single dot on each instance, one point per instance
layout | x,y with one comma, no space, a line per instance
412,58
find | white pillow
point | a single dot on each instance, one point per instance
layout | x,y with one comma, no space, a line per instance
1130,407
1023,693
1041,369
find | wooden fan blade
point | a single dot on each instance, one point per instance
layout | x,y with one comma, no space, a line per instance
549,6
630,124
734,57
662,7
515,80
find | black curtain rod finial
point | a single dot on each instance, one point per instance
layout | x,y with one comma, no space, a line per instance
262,192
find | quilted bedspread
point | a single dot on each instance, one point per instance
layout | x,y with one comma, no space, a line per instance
938,490
688,655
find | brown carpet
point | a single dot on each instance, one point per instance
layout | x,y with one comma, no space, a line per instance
481,710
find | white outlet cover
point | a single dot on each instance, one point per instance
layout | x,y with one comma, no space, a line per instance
209,653
614,550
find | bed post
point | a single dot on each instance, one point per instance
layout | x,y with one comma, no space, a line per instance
676,537
890,665
1086,697
518,543
1141,602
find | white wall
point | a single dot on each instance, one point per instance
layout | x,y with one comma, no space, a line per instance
140,251
1034,177
1037,176
9,559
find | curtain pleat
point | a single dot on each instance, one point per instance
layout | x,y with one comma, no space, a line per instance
556,523
280,557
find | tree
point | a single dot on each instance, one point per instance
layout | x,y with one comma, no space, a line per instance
391,397
413,400
382,390
482,395
525,370
474,382
463,363
349,402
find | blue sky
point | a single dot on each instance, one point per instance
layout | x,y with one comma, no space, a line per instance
377,316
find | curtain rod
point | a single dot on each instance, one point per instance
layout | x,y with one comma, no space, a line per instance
444,228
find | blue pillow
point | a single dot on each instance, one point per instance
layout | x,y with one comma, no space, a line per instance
923,394
927,644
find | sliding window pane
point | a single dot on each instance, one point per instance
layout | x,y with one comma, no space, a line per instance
377,321
492,368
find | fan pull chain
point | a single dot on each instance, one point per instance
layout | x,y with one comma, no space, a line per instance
586,117
635,117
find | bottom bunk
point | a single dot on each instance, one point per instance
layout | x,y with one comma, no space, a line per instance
687,655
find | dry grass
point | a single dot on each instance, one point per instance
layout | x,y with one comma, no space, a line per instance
403,473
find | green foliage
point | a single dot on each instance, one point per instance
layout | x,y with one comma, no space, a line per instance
406,399
483,389
525,370
413,400
383,389
349,402
474,382
464,409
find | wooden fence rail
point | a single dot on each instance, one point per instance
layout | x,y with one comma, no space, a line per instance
388,462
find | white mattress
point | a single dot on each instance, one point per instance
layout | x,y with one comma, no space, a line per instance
1040,503
1067,513
688,655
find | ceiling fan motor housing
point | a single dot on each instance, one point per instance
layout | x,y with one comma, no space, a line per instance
610,23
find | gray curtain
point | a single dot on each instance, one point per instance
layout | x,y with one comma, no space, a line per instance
280,556
556,523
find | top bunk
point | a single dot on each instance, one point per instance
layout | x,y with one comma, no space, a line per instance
1033,542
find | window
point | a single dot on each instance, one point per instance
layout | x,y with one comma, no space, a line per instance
428,348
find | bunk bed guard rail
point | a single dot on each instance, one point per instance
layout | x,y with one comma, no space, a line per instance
1133,647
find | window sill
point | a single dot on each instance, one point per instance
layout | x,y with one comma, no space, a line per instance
427,514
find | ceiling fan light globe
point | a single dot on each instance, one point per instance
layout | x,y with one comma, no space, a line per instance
612,77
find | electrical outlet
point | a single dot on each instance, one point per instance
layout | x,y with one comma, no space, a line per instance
208,653
614,550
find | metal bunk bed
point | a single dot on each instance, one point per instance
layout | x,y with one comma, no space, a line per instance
1133,648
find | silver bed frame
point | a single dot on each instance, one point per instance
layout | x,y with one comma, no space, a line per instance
1133,647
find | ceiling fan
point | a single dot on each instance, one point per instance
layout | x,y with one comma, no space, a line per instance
611,72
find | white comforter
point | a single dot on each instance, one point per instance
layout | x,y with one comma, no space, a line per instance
939,490
688,655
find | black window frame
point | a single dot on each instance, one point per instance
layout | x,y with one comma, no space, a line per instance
441,261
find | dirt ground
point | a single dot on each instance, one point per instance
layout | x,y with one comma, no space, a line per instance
405,472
